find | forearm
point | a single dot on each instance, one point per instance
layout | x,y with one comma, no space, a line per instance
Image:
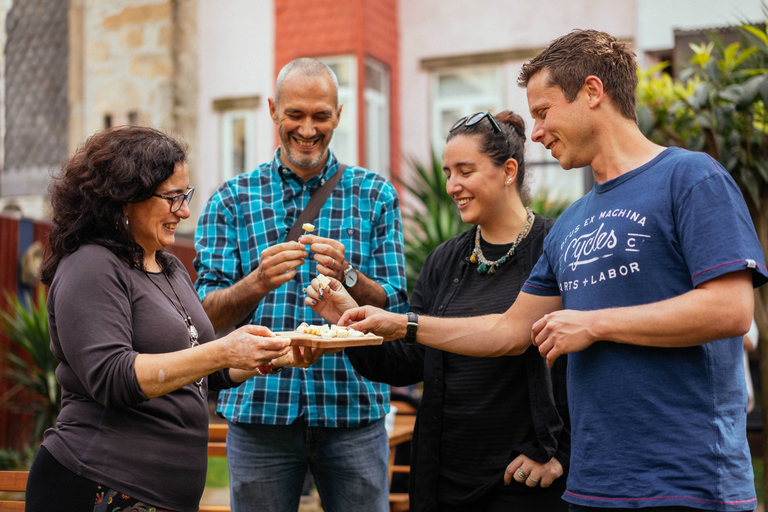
693,318
368,292
508,334
160,374
226,307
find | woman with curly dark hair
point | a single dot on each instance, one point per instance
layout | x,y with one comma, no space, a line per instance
137,351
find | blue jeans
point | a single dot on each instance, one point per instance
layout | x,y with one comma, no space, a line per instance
267,466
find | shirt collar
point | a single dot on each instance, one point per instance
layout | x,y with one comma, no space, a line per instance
331,166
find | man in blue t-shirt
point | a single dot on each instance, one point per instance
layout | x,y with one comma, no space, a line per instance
646,283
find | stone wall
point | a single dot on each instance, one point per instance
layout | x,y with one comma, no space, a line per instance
35,94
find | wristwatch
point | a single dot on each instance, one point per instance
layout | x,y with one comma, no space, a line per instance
410,330
350,276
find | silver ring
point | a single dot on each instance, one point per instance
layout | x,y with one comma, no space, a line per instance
533,480
333,262
521,474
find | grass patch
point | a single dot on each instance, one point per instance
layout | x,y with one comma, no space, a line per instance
757,466
218,472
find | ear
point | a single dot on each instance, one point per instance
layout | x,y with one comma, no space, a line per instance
593,88
510,171
272,109
338,116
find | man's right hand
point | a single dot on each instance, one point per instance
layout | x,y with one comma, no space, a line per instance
278,265
390,326
227,307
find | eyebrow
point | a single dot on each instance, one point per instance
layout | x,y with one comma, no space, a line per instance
459,165
326,112
174,191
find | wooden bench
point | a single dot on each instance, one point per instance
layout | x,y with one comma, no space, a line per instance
13,482
16,481
401,433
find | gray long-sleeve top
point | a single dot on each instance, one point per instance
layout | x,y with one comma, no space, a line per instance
102,313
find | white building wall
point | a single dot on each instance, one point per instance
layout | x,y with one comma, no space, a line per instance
236,60
446,28
659,18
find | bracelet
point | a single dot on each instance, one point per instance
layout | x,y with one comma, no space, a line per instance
268,369
410,330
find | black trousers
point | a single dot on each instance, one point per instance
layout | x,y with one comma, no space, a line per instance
51,486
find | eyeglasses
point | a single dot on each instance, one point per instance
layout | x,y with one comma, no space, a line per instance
178,200
476,118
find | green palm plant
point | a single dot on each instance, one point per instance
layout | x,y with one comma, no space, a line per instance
30,365
546,205
434,220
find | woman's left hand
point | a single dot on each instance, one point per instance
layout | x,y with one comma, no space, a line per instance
526,470
330,302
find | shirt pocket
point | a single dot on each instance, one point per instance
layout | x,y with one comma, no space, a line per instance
355,233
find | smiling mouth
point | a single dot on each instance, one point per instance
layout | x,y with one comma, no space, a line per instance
305,143
462,202
172,227
551,144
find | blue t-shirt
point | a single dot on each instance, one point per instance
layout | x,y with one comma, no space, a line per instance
655,426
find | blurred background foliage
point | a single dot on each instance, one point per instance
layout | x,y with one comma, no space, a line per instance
29,364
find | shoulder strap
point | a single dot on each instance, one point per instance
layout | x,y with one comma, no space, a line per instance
316,202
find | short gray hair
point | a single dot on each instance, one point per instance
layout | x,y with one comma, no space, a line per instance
308,67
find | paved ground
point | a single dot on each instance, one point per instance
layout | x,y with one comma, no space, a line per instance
220,496
308,503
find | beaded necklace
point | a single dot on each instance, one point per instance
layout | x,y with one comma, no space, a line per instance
193,336
490,267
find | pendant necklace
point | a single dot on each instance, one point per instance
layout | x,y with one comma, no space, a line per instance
193,336
490,267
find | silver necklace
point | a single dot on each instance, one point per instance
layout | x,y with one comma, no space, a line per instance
193,335
490,267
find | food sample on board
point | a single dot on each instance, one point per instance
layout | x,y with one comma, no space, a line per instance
332,331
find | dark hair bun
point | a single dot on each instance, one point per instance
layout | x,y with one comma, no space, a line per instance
513,120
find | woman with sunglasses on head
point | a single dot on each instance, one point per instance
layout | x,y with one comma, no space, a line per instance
137,352
491,434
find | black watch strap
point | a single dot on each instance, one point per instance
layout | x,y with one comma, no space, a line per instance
410,330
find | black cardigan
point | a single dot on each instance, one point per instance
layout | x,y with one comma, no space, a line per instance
399,364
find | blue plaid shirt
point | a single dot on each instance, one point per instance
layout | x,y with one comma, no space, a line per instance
254,211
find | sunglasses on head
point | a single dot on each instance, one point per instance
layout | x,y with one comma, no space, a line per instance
476,118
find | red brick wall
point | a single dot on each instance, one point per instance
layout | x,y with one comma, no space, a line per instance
363,28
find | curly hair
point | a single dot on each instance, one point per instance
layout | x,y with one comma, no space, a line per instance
501,146
570,59
112,168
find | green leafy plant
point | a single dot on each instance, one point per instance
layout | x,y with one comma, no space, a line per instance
546,205
433,221
30,365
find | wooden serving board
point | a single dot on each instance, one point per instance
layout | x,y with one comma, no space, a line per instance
315,341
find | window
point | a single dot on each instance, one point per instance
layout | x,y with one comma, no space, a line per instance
377,117
238,143
344,142
460,92
237,135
